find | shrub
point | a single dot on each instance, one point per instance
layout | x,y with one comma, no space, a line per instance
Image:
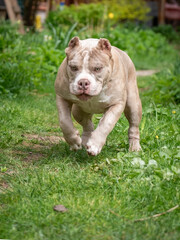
26,61
127,9
8,34
166,85
99,13
13,74
13,77
83,14
167,31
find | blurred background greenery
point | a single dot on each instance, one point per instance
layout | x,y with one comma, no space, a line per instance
28,61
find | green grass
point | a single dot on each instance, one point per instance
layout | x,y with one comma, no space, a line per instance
104,194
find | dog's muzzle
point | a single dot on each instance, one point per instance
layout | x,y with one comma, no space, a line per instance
84,89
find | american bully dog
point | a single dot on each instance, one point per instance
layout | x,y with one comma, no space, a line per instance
96,77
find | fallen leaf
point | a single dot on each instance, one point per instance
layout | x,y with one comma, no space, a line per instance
60,208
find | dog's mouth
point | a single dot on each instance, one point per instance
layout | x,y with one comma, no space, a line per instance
84,97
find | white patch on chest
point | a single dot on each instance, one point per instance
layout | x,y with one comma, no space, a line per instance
103,98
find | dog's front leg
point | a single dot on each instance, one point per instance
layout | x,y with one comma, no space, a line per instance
106,124
71,134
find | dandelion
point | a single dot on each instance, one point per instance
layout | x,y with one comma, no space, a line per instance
50,38
173,112
157,136
111,15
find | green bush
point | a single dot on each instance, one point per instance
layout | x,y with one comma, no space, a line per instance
99,14
13,73
8,34
127,9
169,84
83,14
26,61
13,77
168,31
166,85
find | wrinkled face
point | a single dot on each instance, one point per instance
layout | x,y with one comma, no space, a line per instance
88,68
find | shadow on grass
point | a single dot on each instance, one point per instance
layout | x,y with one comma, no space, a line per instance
61,152
40,154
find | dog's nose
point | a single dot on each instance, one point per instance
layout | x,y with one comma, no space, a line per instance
83,84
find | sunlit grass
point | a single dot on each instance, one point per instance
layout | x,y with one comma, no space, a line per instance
104,195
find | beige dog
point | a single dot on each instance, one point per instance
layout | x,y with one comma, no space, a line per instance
96,77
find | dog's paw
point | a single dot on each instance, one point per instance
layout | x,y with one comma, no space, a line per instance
76,144
134,145
75,141
95,143
75,147
93,148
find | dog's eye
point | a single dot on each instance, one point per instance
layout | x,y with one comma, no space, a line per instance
97,69
74,68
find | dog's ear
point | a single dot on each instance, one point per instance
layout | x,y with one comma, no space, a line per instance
105,46
74,42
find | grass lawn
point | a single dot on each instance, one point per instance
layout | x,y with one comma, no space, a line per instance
104,195
113,196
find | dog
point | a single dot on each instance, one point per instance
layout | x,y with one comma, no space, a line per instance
96,77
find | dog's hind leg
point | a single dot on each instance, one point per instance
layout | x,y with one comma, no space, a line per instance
133,113
85,120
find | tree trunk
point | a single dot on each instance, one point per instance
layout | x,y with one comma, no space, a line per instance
30,8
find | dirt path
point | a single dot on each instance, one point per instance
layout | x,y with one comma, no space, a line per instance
143,73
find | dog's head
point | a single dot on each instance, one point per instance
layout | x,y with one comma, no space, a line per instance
89,65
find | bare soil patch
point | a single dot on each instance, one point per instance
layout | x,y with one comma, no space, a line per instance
35,93
4,185
45,139
29,156
144,73
40,142
33,156
34,145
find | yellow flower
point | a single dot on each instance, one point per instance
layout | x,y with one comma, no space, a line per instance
157,137
111,15
173,111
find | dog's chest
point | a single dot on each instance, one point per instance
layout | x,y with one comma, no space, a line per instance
97,104
92,106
